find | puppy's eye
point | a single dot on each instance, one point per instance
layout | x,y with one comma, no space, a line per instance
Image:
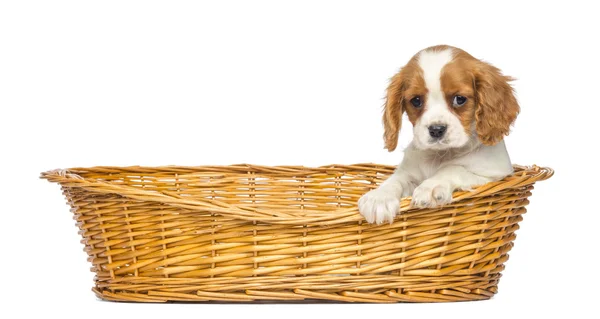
459,100
416,101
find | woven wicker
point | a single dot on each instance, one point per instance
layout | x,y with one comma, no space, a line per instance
246,232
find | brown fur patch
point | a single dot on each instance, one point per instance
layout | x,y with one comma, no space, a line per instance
406,84
491,103
456,79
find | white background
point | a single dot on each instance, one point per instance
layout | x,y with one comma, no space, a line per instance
175,82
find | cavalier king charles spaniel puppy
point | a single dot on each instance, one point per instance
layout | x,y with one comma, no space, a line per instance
460,108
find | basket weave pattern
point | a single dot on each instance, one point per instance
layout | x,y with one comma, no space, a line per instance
246,232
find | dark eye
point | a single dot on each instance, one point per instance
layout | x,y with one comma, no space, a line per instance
459,100
416,101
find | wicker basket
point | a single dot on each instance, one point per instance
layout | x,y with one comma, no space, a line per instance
246,232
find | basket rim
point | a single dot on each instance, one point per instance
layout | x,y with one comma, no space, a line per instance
522,176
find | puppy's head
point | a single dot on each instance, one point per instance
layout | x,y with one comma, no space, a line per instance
451,98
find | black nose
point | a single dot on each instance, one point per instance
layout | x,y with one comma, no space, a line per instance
437,131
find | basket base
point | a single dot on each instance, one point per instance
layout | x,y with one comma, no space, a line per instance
362,289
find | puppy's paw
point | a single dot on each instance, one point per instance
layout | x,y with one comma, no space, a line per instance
431,194
379,206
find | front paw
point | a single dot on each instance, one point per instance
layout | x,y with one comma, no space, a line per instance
431,194
379,206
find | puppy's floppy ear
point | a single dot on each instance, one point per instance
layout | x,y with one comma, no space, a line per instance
392,112
497,107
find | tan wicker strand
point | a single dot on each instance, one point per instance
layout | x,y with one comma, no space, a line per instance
286,233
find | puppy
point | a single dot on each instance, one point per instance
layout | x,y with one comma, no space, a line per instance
460,108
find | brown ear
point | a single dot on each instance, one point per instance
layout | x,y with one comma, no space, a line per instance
392,112
497,107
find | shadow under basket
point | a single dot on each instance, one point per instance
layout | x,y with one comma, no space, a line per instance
286,233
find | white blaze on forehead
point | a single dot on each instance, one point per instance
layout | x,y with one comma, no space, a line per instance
432,62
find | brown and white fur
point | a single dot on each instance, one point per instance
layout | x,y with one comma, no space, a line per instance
443,87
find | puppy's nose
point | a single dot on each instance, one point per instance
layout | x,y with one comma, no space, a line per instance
437,131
